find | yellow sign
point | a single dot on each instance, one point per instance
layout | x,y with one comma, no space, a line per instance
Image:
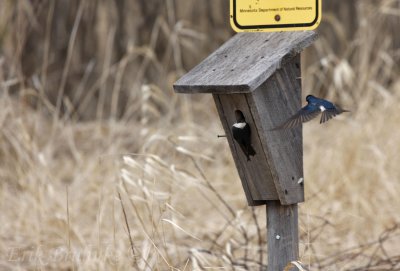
275,15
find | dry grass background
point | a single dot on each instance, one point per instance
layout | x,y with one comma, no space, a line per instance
91,129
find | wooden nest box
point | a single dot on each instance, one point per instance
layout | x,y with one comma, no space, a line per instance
259,75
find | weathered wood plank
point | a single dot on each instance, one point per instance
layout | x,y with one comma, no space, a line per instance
255,174
282,235
271,104
244,62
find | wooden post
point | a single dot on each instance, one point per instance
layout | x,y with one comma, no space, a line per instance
282,235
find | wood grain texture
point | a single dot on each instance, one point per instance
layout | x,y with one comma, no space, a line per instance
282,235
271,104
244,62
255,174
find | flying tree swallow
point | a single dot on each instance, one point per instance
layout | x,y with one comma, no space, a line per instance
314,106
242,134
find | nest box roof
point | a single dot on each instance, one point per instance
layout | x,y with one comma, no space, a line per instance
244,62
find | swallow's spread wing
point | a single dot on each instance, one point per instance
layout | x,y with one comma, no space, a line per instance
330,113
305,114
327,115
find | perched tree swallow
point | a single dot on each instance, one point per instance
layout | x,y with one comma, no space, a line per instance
242,134
311,110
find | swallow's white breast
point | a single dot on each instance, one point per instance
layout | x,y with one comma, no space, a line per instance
322,108
239,125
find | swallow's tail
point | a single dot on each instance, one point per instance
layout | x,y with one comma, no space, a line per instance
251,151
248,150
340,110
